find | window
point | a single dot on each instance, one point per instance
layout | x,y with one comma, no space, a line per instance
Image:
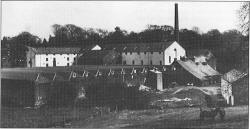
141,62
145,53
152,52
47,65
175,51
133,62
138,53
130,53
160,62
173,68
74,58
125,53
124,62
67,58
67,64
159,52
169,59
151,62
46,59
54,62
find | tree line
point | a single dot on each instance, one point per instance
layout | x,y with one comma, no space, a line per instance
225,45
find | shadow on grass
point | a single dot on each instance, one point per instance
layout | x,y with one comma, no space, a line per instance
238,122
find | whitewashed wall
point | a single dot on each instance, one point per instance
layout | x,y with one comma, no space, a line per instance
170,52
61,59
156,57
226,90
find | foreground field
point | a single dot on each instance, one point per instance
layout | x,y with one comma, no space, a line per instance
236,118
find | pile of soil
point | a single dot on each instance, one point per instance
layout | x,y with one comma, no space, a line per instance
197,96
181,98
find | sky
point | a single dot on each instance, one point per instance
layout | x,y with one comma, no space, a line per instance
37,17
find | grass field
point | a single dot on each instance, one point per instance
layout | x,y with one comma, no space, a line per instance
236,118
182,117
40,118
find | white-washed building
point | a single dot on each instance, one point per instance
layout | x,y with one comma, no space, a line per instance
55,56
51,56
163,53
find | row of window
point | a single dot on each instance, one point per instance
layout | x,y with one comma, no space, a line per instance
59,54
47,65
133,62
139,53
55,59
151,63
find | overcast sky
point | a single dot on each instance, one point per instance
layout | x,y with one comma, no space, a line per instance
37,17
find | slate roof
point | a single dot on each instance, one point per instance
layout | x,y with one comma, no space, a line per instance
88,57
35,75
19,75
135,47
57,50
202,72
234,75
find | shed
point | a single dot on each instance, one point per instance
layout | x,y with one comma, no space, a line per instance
155,80
234,86
33,88
188,72
24,88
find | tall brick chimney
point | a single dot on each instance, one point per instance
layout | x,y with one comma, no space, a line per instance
176,23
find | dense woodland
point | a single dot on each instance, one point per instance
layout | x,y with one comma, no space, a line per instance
226,46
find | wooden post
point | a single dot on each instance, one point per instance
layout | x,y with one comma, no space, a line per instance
232,100
159,81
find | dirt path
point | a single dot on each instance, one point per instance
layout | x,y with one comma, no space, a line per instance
236,118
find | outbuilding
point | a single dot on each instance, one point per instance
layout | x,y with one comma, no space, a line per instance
187,72
234,86
31,88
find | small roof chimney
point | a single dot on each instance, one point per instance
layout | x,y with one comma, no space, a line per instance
176,24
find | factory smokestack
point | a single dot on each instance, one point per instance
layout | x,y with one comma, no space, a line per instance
176,24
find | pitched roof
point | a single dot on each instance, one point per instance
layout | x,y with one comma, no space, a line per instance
95,54
142,47
34,75
96,57
56,50
19,75
234,75
200,71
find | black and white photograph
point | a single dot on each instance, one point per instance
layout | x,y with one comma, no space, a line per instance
125,64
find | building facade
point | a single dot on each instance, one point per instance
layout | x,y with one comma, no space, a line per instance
163,53
51,57
233,85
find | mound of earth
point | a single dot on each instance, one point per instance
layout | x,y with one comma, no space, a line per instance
197,96
183,97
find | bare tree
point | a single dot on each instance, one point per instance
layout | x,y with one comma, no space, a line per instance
244,17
